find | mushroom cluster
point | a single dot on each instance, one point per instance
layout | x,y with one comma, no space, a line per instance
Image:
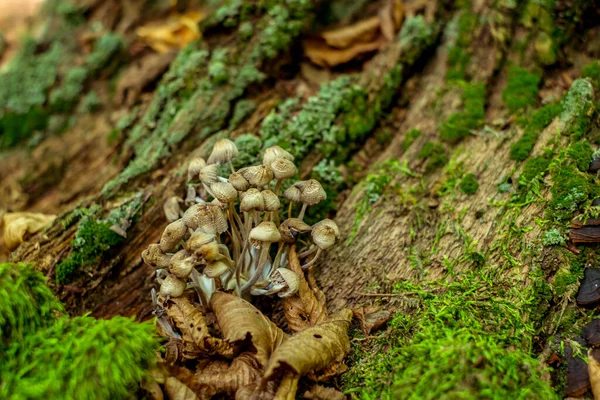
234,235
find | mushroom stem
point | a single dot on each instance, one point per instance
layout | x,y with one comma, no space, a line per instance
307,252
290,210
311,262
276,215
239,265
277,186
231,166
235,239
264,252
278,256
302,211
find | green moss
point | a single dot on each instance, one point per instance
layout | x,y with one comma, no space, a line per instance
410,137
249,147
578,108
435,154
459,53
242,110
470,338
79,358
539,119
566,280
545,48
460,124
553,237
521,89
468,184
416,34
534,168
26,303
592,71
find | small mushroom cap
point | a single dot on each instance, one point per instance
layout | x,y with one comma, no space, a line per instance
238,182
275,152
291,228
252,200
312,191
172,209
195,167
154,257
172,235
223,151
224,192
206,216
291,279
330,223
293,194
271,200
209,174
324,236
199,238
215,269
283,168
265,232
172,286
182,264
258,175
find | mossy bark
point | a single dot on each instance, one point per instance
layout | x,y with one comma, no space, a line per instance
406,213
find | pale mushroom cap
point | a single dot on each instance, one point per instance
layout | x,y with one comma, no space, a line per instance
283,168
223,151
172,235
215,269
293,194
258,175
239,182
209,174
271,200
323,236
275,152
252,200
330,223
195,167
181,264
265,232
224,192
172,286
199,238
155,257
172,209
292,282
206,216
312,192
291,228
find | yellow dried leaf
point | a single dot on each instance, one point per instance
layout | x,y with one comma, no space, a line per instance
371,317
594,371
190,321
177,390
307,307
177,31
314,349
240,320
288,387
325,56
18,225
361,32
319,392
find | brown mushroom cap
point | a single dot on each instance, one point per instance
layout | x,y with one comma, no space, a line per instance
283,168
238,182
323,236
224,192
312,192
258,175
293,194
181,264
265,232
271,200
209,174
172,286
172,235
223,151
206,216
194,168
291,228
172,209
154,257
275,152
252,200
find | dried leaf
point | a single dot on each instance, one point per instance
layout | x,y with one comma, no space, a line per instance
586,234
288,387
386,20
371,318
594,371
190,321
578,223
319,392
307,307
360,32
175,32
177,390
325,56
313,350
20,224
240,320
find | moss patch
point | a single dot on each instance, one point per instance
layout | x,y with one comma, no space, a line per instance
539,119
410,137
592,71
435,154
521,89
459,53
468,184
578,108
460,124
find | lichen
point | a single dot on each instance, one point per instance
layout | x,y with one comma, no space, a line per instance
460,124
578,107
592,71
521,89
26,303
553,237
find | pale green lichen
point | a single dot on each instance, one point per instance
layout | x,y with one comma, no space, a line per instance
553,237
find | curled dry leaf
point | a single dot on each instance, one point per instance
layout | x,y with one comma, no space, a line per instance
190,321
371,318
287,387
594,371
240,320
319,392
325,56
307,307
20,224
360,32
176,32
313,350
177,390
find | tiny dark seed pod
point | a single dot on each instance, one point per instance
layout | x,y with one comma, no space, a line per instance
589,289
172,235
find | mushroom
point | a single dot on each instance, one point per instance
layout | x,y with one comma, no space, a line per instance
172,286
282,281
223,152
261,237
308,192
182,263
271,204
154,256
172,235
224,192
589,289
172,209
282,169
238,182
215,269
291,228
258,176
194,168
274,152
209,174
324,234
252,200
206,216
